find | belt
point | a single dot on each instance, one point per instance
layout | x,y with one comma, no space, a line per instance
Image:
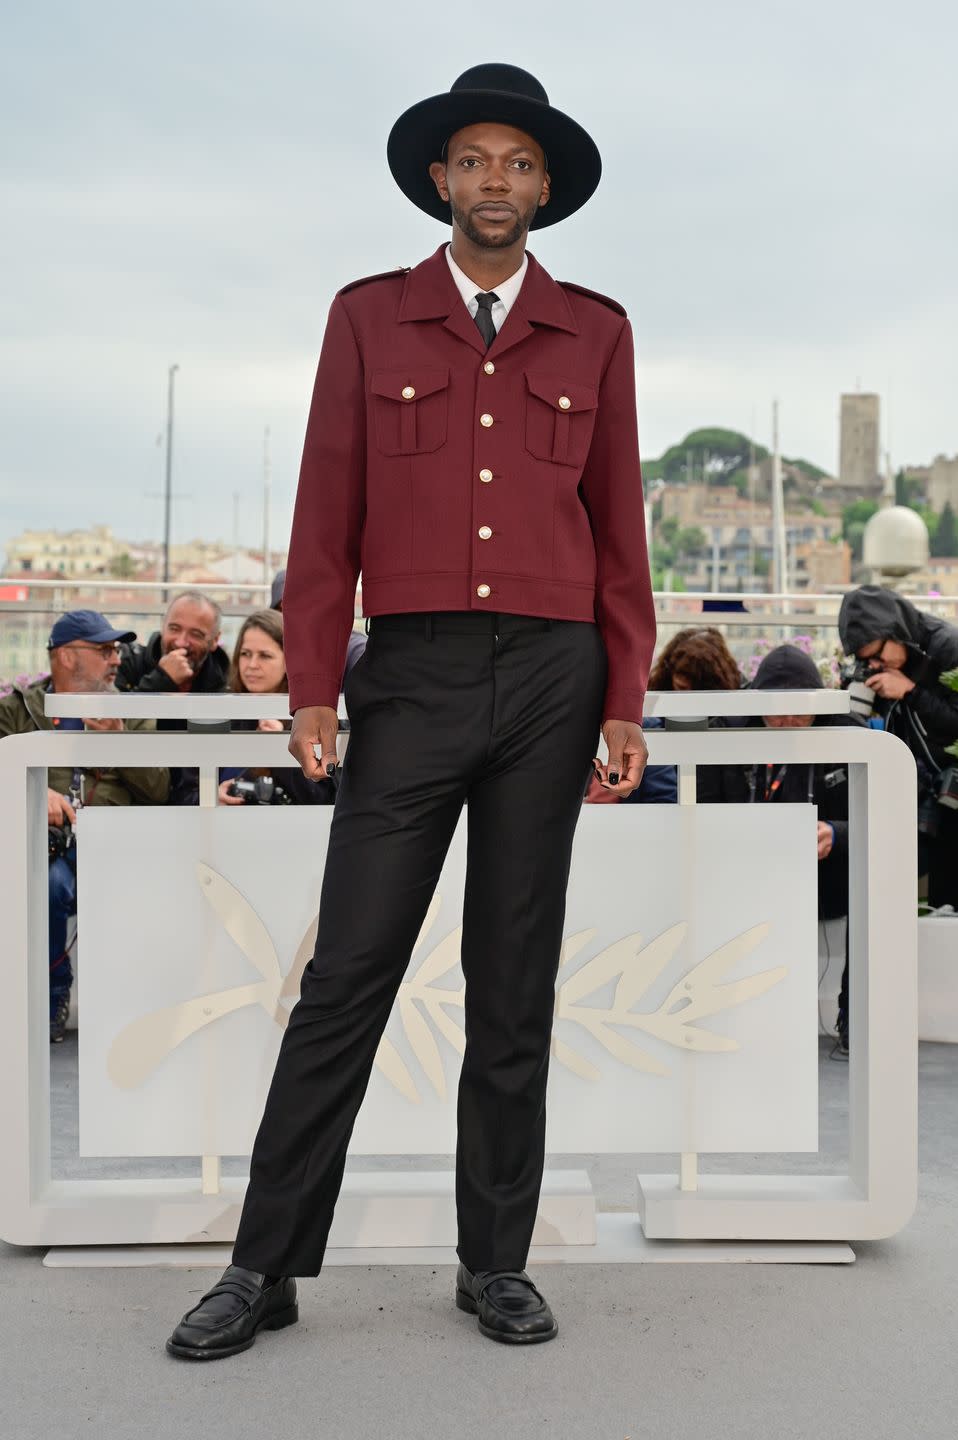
456,622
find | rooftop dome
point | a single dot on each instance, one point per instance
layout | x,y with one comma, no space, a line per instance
895,541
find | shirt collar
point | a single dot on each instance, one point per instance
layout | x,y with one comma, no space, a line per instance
507,290
430,293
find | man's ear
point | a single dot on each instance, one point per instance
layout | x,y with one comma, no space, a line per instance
437,171
546,190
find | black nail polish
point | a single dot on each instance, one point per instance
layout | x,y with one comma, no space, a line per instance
330,770
613,777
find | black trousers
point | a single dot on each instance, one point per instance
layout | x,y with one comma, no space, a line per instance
501,713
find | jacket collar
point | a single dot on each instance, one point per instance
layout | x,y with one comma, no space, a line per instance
430,293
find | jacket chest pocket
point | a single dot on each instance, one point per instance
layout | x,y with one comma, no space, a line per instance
560,418
410,409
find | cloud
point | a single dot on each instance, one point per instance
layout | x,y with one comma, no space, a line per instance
191,185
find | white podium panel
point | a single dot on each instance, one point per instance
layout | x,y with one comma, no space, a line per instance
672,992
685,1015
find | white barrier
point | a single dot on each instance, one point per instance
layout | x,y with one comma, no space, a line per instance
714,877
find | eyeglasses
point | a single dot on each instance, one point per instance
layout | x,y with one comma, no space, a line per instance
106,652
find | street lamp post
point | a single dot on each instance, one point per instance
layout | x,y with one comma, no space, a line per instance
168,492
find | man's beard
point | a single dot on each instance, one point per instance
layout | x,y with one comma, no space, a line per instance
501,241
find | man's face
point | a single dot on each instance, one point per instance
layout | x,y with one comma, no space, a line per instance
494,178
883,654
84,667
788,722
190,626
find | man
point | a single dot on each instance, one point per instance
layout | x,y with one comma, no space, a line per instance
84,656
903,653
185,657
472,448
824,786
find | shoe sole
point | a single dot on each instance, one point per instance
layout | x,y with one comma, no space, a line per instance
279,1321
466,1302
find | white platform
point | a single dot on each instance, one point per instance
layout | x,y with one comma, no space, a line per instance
619,1241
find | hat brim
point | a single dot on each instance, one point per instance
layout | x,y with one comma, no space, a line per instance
123,636
417,138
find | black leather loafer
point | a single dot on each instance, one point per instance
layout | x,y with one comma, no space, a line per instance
228,1316
508,1305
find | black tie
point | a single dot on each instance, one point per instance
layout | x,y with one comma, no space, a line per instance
485,300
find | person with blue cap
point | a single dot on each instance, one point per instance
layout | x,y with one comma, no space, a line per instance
84,650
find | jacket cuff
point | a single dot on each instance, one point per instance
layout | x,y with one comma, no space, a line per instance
623,705
316,689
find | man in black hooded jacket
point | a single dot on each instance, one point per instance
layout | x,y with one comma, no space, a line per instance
906,652
183,658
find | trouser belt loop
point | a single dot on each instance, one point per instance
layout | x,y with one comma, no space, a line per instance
428,627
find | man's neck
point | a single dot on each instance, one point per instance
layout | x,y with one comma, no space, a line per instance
487,266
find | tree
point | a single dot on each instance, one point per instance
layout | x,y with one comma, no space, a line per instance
122,567
716,455
903,490
854,519
691,541
944,542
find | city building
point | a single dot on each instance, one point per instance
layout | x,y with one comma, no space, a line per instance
859,467
737,534
943,483
819,566
72,553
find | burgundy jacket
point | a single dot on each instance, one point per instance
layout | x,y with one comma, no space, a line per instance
457,478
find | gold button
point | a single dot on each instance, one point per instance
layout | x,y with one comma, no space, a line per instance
409,393
564,402
489,368
483,591
485,532
485,420
485,476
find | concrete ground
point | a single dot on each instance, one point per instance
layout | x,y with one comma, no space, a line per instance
659,1350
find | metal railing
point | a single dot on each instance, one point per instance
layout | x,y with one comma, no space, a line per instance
139,605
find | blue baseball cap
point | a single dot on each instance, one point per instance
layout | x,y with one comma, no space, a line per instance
87,625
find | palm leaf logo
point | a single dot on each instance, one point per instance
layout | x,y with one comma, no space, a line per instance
424,1003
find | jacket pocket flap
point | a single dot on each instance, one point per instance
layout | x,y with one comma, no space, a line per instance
568,397
411,384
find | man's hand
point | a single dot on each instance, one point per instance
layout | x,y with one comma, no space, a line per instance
826,839
113,725
599,794
59,809
890,684
225,798
628,754
315,725
177,666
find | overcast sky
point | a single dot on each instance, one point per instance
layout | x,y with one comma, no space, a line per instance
191,182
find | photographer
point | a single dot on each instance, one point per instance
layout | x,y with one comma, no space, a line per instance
258,667
84,656
900,653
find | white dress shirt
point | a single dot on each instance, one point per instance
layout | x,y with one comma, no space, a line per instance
507,290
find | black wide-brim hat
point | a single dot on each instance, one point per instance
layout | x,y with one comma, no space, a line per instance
502,95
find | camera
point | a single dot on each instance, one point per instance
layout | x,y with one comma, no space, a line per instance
861,697
60,839
261,791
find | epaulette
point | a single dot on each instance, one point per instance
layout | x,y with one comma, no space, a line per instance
368,279
594,295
